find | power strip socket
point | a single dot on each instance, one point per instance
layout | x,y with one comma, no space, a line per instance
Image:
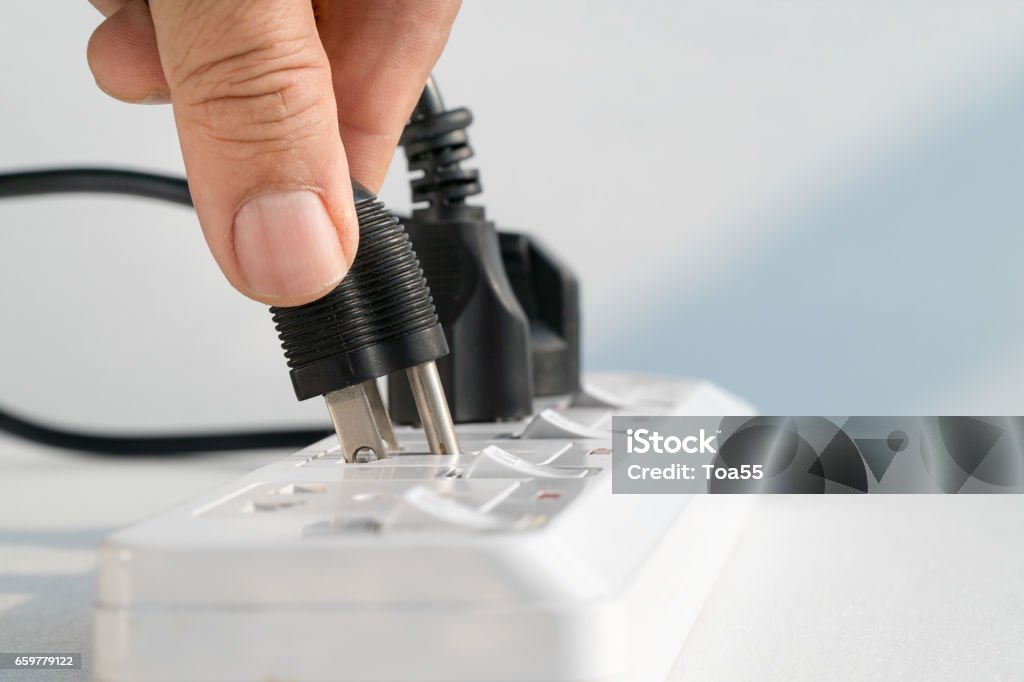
512,562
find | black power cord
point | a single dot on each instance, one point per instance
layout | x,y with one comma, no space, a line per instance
152,186
95,181
155,444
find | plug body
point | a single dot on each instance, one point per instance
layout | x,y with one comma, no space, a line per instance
488,375
380,320
549,294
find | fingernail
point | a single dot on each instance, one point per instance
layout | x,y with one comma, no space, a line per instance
153,98
287,245
156,98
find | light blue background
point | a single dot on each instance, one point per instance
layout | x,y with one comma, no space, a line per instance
816,205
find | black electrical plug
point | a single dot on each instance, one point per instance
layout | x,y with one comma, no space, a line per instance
488,375
378,321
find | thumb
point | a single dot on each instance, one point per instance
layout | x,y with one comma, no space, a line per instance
257,120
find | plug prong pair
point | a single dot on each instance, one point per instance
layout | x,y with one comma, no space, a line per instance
364,428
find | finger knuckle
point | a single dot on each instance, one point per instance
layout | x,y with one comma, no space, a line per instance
261,97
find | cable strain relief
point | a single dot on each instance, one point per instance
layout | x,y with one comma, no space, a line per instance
437,144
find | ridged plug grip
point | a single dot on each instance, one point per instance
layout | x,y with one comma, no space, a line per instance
379,320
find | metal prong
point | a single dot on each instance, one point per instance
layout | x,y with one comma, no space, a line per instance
355,423
380,414
433,408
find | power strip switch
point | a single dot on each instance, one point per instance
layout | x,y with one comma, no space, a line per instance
512,562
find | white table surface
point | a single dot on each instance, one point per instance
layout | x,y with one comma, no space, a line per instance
836,588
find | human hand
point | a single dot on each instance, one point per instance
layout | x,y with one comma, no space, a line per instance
277,103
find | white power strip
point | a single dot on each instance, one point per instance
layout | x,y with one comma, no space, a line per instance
513,562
